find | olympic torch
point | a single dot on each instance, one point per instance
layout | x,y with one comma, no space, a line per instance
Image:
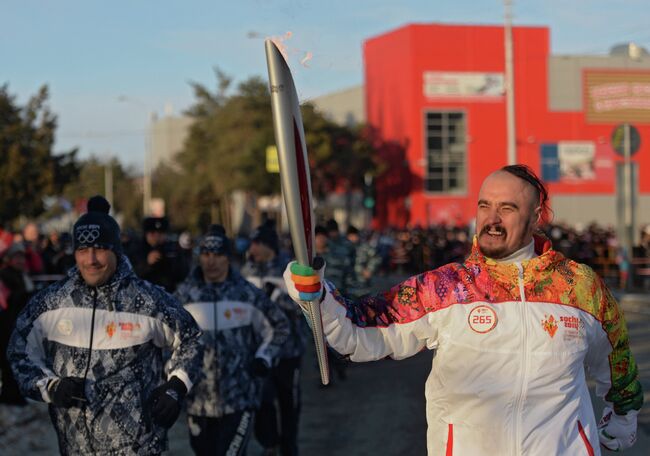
295,180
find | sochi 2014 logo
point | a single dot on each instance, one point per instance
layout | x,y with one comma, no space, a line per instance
549,324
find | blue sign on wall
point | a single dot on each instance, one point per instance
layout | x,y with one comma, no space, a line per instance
550,163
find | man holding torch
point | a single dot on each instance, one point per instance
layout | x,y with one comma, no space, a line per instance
515,328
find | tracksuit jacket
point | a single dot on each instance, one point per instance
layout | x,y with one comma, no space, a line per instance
268,277
512,343
239,324
130,322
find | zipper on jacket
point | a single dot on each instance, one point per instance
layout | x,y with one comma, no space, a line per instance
111,306
85,410
523,381
215,320
93,292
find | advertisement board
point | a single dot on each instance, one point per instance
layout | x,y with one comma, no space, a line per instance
576,162
442,84
616,96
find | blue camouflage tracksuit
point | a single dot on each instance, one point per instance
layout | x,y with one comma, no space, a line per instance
130,322
239,324
268,277
283,386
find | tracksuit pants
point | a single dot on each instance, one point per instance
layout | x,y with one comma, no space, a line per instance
225,436
281,399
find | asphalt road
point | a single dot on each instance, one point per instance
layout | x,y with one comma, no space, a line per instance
637,314
377,411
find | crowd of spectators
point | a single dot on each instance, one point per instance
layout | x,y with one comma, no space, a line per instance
164,257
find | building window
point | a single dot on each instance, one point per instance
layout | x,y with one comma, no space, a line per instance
446,152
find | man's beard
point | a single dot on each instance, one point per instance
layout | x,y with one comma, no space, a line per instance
493,252
499,252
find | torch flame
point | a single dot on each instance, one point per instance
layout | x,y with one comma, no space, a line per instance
306,58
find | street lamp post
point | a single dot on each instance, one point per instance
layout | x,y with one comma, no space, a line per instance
146,175
108,182
146,172
628,203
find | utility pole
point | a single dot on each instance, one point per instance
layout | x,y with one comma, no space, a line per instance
628,203
108,183
509,85
146,175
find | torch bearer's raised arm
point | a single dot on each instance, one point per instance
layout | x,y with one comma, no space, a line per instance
295,179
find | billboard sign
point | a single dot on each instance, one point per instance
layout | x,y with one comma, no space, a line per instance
616,96
442,84
576,162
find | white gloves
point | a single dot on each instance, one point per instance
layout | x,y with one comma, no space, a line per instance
304,283
617,432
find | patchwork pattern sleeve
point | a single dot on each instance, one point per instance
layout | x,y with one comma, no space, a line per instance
179,332
398,323
270,324
609,360
26,353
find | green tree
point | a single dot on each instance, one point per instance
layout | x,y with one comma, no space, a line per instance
226,149
29,170
91,181
339,155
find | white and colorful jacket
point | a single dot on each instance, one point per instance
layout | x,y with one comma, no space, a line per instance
130,322
513,343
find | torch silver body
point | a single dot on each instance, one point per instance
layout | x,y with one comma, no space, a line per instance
295,180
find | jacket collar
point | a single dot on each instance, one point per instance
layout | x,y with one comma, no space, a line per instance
543,248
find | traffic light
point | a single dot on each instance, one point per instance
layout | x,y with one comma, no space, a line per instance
369,200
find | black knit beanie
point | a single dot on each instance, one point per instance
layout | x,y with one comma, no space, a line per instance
96,228
158,224
215,241
266,234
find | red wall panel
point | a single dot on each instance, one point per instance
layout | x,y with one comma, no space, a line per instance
395,107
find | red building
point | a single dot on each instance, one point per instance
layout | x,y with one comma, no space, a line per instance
435,96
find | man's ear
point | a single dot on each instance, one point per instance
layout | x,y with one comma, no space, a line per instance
537,216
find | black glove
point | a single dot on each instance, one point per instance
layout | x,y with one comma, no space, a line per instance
165,402
67,392
269,288
259,368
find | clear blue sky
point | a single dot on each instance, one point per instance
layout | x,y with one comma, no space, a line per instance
91,53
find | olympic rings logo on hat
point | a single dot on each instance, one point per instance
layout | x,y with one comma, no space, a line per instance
87,236
212,243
